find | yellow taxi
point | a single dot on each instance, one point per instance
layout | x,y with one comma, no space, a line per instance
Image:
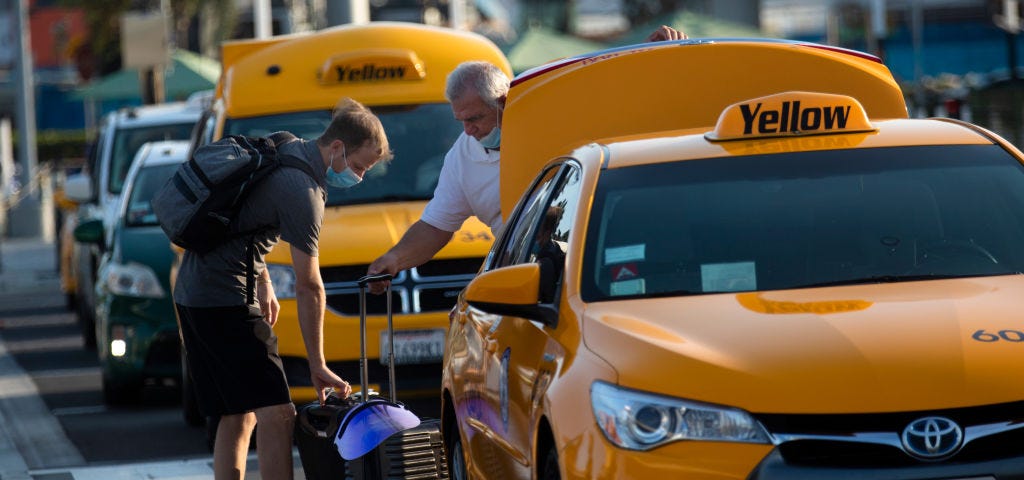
773,278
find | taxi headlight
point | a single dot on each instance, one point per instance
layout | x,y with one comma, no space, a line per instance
642,421
133,280
283,278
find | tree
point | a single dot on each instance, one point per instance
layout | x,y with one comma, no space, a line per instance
101,55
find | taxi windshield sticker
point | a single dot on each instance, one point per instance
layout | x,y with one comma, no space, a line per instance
728,277
371,66
628,287
623,254
791,113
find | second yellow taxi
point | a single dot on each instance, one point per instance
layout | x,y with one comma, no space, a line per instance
769,278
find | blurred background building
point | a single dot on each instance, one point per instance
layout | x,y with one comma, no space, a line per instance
952,57
75,43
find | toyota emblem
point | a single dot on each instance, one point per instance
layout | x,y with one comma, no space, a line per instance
932,438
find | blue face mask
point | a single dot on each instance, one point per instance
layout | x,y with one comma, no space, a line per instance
347,178
492,140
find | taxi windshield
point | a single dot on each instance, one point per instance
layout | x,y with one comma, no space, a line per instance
807,219
149,179
128,140
419,135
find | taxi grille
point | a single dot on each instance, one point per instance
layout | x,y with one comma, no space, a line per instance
431,287
816,440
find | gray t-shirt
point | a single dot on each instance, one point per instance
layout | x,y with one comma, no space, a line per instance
289,201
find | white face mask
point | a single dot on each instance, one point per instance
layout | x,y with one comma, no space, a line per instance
492,140
347,178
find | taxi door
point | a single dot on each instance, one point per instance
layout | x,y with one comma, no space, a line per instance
516,363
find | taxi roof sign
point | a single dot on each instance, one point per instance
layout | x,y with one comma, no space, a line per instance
791,113
371,65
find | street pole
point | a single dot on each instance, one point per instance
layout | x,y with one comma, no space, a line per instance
262,19
457,13
26,215
879,29
1009,21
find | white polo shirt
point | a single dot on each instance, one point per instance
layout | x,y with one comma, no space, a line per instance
468,186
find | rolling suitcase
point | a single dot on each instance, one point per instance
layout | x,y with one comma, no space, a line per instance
315,428
412,453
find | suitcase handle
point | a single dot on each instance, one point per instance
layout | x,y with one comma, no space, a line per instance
377,277
318,415
363,368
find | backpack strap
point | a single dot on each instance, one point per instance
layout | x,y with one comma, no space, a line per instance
277,139
296,162
282,137
250,271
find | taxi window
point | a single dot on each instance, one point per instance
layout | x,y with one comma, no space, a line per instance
419,135
540,234
806,219
515,244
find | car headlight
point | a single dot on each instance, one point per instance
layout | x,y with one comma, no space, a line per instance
283,278
133,280
642,421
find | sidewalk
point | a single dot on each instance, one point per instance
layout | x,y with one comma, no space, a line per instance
28,265
28,273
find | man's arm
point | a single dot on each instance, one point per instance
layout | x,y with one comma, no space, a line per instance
267,298
666,32
310,300
419,244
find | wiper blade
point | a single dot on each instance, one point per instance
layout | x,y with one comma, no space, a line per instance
399,198
381,199
884,279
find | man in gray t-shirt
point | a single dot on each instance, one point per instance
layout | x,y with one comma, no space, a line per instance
226,327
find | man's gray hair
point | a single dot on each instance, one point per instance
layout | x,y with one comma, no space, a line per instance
487,80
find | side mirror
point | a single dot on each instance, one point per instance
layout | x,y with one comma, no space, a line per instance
78,188
512,291
89,232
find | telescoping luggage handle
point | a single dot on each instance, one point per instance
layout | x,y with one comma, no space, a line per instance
364,372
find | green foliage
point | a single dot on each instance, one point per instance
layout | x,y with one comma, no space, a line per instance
58,145
102,52
103,20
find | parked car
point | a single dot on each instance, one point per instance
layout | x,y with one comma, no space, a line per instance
96,189
136,329
712,276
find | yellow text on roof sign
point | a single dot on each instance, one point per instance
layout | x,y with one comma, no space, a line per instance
374,65
791,113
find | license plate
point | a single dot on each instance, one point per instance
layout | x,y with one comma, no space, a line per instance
414,346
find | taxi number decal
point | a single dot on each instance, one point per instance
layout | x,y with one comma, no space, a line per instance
471,237
1014,336
791,118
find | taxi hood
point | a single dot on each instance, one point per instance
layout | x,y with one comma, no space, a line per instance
872,348
357,234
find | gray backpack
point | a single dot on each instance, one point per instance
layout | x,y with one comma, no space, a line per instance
197,206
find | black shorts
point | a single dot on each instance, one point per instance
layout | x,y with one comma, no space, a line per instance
232,357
